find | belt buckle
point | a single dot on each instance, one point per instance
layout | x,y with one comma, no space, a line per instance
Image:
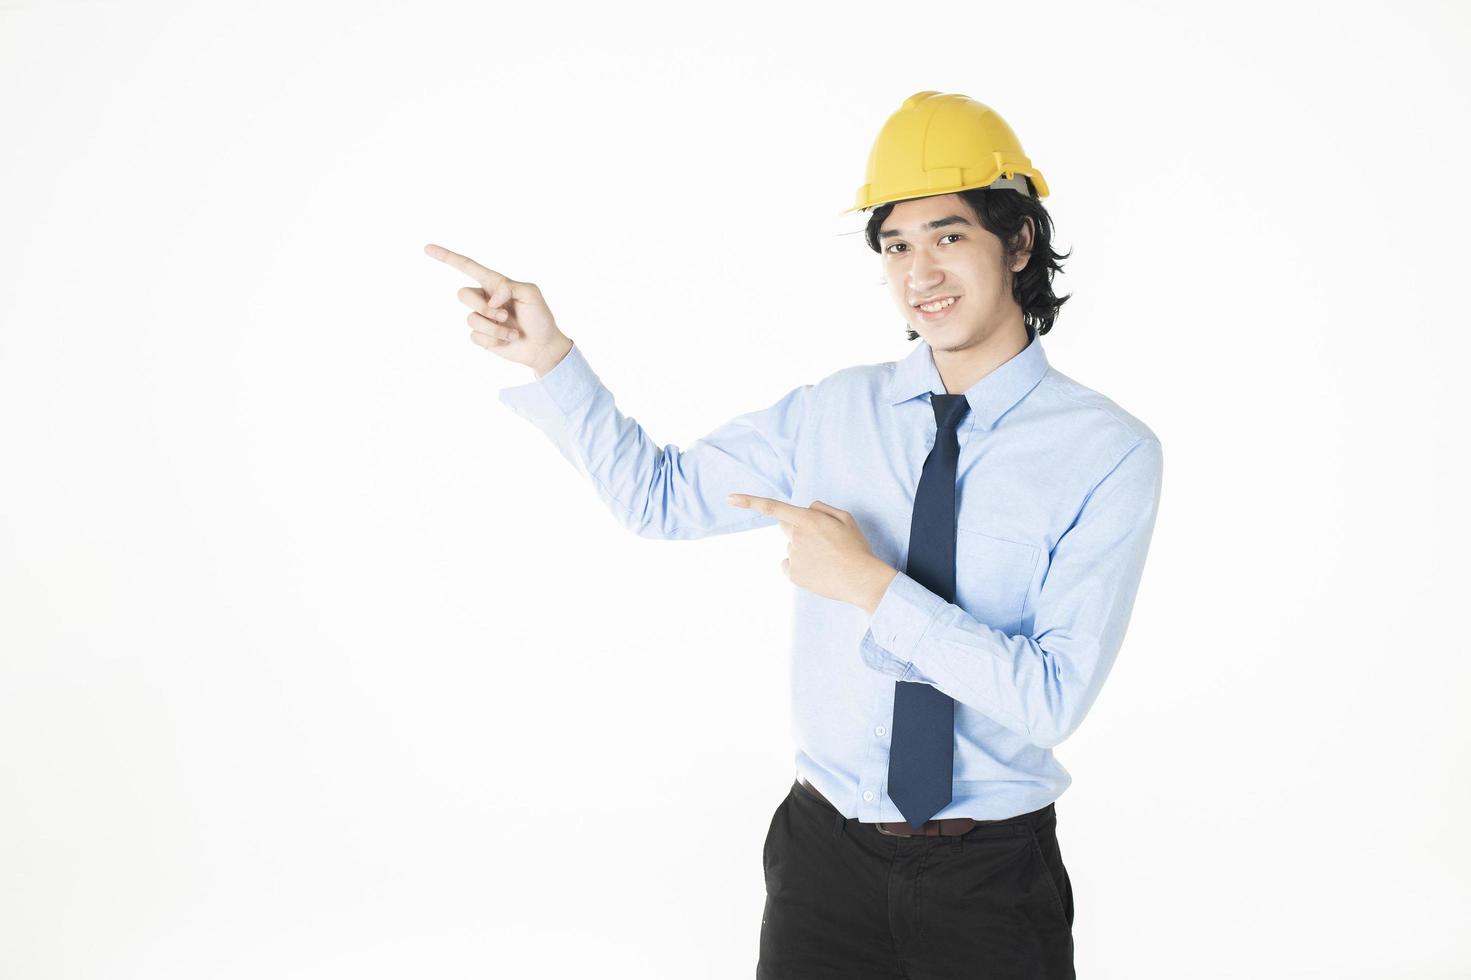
889,833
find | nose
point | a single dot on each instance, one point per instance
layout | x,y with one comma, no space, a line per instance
924,276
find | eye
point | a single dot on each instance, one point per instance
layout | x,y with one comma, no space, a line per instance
952,234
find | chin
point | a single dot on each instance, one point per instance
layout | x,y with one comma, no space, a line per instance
954,336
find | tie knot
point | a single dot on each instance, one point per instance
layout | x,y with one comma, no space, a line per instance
949,410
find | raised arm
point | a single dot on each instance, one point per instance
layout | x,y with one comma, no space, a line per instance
656,491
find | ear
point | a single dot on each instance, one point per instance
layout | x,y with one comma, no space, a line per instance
1024,246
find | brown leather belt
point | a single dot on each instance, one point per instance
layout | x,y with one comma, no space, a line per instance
946,827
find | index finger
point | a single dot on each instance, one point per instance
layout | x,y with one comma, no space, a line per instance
782,511
488,278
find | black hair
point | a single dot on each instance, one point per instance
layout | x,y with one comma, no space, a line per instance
1003,212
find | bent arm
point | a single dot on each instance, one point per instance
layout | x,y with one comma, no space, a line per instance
660,491
1038,686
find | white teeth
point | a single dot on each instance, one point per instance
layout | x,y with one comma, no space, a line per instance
936,307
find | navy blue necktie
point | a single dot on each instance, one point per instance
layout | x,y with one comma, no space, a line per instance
921,751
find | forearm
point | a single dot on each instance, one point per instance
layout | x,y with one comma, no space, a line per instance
1040,693
578,413
658,491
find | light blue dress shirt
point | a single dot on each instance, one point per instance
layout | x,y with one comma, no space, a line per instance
1057,491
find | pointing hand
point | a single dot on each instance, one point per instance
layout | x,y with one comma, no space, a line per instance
826,552
509,318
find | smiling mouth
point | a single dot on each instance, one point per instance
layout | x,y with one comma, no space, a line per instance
937,312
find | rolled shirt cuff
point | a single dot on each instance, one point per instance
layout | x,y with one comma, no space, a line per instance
554,394
900,620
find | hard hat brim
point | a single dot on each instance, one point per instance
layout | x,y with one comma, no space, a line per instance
1016,182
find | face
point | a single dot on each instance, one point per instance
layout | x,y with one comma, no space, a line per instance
932,248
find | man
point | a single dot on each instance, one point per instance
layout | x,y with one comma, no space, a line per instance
967,528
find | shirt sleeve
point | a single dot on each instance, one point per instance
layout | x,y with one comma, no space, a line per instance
1038,686
664,491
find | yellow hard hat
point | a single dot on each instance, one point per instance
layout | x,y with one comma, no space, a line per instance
938,144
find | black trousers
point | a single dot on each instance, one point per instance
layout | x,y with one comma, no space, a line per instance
846,901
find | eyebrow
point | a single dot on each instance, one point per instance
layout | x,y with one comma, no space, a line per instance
953,219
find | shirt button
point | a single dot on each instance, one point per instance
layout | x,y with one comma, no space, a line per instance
880,730
868,794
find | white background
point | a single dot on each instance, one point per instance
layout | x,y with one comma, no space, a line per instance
319,662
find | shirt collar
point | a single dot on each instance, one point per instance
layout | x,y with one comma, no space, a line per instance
990,397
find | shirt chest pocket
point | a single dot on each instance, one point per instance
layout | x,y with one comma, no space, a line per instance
992,577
